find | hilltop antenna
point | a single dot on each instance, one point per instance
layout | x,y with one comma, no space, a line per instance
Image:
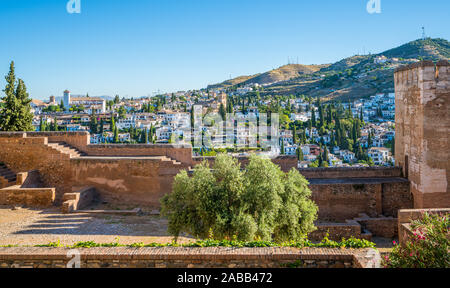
423,33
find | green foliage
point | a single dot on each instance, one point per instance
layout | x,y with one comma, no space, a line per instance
352,243
15,113
428,247
260,202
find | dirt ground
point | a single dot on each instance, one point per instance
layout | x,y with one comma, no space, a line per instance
33,227
28,227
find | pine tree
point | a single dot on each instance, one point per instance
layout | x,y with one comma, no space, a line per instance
15,114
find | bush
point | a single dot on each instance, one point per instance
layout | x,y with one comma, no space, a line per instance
428,247
226,202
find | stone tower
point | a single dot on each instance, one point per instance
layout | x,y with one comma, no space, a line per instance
422,130
66,99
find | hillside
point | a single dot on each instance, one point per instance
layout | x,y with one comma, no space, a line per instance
428,49
280,74
358,76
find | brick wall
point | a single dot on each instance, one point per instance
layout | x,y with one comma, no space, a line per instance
422,124
179,257
351,172
341,199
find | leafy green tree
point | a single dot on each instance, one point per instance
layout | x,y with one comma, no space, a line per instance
15,113
259,202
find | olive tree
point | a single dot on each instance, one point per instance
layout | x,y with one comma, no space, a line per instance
227,202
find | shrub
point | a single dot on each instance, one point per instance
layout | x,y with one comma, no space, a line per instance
428,247
258,203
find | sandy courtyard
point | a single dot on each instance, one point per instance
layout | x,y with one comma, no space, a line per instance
33,226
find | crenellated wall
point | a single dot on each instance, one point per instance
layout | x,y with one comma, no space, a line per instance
422,123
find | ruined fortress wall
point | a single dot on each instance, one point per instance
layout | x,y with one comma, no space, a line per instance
134,182
137,181
81,141
181,153
142,181
22,154
286,163
78,140
342,200
423,130
351,172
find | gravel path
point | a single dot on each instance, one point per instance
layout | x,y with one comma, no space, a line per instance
31,227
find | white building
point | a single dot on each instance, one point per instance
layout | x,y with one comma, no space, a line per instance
89,103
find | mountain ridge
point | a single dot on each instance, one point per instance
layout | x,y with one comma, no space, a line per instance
369,74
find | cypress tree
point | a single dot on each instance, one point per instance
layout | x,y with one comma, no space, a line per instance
116,135
300,155
15,115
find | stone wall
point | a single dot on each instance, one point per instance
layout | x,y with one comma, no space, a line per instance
351,172
181,153
342,199
179,257
139,181
124,180
422,123
286,163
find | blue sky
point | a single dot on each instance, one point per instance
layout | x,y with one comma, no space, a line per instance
136,47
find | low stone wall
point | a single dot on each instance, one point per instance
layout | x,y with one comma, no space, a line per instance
31,197
180,257
381,227
78,200
336,231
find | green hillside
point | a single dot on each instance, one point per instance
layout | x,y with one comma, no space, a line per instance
358,76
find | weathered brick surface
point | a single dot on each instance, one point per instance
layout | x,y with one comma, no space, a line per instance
182,257
422,123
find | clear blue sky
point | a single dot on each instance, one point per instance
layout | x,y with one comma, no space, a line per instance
135,47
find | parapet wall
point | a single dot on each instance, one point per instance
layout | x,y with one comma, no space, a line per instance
286,163
180,257
351,172
422,122
181,153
